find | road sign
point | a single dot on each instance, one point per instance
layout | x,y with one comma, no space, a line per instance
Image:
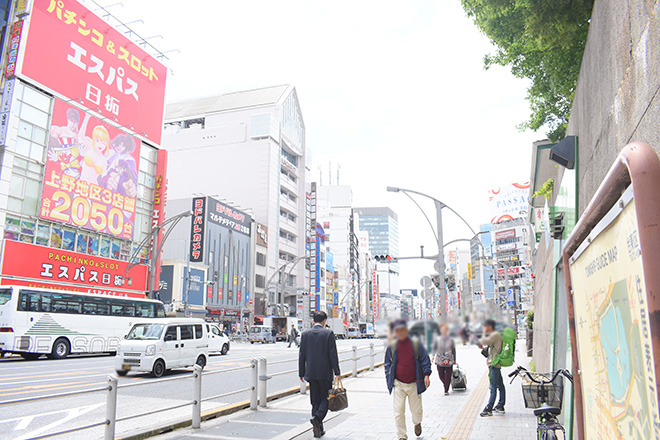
426,281
509,297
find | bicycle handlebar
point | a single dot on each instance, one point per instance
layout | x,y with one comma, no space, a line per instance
522,370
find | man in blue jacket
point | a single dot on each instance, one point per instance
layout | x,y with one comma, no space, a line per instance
318,363
408,371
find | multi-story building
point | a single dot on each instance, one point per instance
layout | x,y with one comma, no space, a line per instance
381,223
249,148
483,272
79,190
511,259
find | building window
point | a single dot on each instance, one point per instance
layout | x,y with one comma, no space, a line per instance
260,126
291,158
260,281
261,259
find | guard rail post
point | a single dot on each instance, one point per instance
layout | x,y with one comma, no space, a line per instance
355,361
111,409
197,397
263,380
254,394
371,356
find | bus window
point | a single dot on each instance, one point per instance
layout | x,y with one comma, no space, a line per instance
45,302
145,310
198,331
160,311
96,306
186,331
5,296
123,308
29,301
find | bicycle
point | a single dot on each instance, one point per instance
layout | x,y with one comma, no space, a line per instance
545,396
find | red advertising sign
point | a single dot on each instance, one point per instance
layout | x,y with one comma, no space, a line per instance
509,233
376,293
76,54
40,266
16,32
160,199
510,270
91,174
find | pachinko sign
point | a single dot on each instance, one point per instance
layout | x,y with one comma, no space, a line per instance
72,52
508,201
91,174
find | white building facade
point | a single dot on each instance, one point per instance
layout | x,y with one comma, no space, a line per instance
248,148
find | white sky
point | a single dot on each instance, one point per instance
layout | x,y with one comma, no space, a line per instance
393,91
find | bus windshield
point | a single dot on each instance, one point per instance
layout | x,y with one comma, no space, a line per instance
146,331
5,296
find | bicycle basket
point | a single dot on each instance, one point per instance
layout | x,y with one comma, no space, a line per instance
535,394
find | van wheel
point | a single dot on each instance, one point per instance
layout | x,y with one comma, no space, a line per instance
201,361
121,373
225,349
61,349
30,356
159,368
251,342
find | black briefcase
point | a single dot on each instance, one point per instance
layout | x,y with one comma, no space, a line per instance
337,397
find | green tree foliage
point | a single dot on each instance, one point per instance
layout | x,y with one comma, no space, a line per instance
542,40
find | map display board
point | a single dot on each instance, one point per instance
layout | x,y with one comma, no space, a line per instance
613,330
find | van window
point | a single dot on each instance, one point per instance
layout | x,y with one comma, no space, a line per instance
198,331
215,330
186,331
170,334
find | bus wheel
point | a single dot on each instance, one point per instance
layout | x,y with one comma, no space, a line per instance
61,349
159,368
121,373
30,356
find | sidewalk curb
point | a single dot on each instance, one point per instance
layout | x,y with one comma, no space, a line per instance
224,411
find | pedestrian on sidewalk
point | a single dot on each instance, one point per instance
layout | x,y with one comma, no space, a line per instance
444,354
293,336
493,340
408,371
317,361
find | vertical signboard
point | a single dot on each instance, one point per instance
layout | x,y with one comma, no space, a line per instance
90,180
76,54
197,226
611,262
5,109
14,45
376,293
160,199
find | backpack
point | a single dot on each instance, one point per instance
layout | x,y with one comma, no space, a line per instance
415,342
505,357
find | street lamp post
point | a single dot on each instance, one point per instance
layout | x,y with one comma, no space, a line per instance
155,253
280,282
440,260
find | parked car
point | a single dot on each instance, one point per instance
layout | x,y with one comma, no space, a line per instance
218,341
353,333
261,333
160,346
282,336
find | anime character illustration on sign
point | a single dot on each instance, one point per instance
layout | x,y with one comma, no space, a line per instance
65,146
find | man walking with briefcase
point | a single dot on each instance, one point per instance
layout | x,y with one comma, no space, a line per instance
317,361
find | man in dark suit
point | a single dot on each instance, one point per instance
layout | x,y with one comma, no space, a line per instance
317,362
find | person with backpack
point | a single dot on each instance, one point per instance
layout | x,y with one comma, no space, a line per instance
493,340
408,374
444,353
293,336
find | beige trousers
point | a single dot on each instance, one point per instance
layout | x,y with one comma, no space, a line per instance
401,391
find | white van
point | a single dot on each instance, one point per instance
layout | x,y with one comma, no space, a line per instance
161,345
261,333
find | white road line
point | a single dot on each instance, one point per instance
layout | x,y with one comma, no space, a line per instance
23,424
71,414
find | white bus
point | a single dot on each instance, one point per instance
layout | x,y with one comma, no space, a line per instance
35,322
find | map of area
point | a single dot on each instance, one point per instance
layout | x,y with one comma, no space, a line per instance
614,340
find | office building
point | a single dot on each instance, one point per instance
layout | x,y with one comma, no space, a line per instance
248,148
381,223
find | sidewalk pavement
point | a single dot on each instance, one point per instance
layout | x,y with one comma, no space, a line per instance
369,415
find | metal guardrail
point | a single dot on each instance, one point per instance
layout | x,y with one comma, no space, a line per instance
258,391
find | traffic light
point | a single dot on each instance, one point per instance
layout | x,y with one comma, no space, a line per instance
384,259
